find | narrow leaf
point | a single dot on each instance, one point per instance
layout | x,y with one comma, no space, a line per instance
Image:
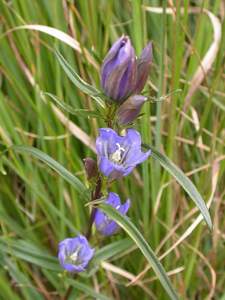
137,237
74,111
68,176
110,250
78,81
184,181
29,253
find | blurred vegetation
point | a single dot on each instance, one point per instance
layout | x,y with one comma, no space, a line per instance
38,208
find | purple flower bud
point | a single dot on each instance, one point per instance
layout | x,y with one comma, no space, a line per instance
143,66
130,109
91,168
119,155
118,72
75,253
105,225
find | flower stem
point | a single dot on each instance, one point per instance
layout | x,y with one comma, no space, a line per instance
68,292
111,114
96,194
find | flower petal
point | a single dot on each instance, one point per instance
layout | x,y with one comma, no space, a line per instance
113,199
69,245
106,166
106,141
119,70
135,158
105,225
124,207
110,229
128,170
134,137
99,218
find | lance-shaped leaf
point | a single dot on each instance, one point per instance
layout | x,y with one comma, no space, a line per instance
28,252
78,81
144,247
86,113
184,181
63,172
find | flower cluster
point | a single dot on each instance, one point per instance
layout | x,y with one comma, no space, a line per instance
122,74
123,77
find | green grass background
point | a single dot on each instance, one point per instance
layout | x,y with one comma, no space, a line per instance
38,208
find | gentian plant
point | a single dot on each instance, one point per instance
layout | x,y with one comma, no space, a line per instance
119,149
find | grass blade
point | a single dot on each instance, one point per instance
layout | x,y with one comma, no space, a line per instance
184,181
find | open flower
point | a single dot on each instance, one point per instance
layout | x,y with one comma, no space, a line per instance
75,253
119,155
105,225
122,74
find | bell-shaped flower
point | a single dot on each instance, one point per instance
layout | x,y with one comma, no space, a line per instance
118,72
122,74
75,253
119,155
105,225
130,109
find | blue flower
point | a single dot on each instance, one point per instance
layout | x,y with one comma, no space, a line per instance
105,225
143,66
75,253
119,155
129,110
118,72
122,74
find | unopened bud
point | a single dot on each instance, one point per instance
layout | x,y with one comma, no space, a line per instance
143,67
118,71
130,109
91,168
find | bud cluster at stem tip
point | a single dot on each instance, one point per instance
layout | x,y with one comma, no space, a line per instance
122,74
123,77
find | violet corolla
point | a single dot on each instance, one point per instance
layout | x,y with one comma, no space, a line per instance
105,225
119,155
75,253
122,74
